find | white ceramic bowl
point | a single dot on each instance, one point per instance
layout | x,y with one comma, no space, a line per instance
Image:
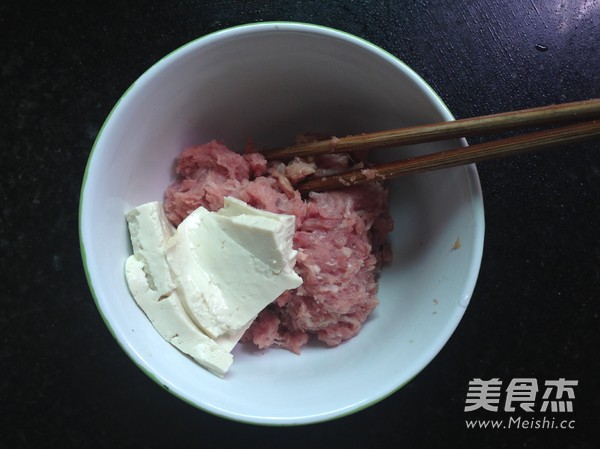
270,82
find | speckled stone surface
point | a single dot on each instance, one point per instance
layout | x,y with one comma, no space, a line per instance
534,314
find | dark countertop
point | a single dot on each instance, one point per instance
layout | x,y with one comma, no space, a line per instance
535,311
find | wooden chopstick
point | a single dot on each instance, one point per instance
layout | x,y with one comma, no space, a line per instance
557,114
535,141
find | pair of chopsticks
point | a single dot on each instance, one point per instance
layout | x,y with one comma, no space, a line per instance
584,117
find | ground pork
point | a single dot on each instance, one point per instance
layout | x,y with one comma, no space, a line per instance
340,237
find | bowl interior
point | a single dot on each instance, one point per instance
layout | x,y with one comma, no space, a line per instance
270,82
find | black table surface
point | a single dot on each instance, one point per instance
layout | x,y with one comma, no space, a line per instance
535,311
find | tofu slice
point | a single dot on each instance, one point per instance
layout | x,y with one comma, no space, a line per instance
153,288
229,265
202,284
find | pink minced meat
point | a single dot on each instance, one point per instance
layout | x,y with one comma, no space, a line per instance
340,237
